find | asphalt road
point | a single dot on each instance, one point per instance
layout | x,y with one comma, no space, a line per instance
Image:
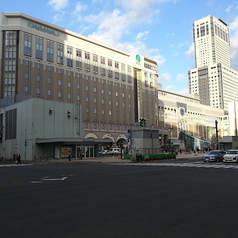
95,200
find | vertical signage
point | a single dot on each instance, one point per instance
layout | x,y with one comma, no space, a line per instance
140,94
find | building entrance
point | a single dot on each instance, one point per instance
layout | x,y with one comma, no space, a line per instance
87,151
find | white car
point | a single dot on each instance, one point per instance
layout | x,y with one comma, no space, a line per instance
231,156
104,152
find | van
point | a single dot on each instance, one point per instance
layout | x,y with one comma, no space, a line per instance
115,151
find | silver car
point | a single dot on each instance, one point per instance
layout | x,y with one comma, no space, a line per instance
214,156
231,156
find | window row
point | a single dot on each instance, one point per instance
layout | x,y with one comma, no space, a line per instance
69,57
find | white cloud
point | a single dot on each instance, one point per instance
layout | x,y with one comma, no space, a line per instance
190,52
58,4
165,77
79,8
170,88
228,9
181,77
184,91
142,35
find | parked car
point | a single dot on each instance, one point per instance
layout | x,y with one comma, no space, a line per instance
231,156
214,155
115,151
104,152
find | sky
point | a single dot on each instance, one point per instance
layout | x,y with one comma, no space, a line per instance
157,29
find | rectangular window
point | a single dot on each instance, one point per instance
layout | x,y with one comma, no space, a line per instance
103,60
123,77
110,62
78,59
116,65
38,91
49,93
27,44
70,56
110,73
87,61
50,50
59,94
116,75
49,80
95,64
60,53
59,82
26,89
39,47
103,72
38,78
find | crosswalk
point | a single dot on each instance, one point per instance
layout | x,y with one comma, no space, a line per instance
188,164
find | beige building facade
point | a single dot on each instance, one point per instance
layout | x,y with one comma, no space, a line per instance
115,88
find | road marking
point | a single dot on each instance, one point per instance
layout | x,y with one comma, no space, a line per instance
13,165
190,165
54,179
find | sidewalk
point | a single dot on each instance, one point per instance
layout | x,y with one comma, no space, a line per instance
116,159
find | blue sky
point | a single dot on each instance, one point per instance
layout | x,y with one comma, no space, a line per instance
158,29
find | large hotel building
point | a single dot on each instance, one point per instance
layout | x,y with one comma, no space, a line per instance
116,88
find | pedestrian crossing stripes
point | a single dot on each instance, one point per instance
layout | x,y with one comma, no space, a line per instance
190,165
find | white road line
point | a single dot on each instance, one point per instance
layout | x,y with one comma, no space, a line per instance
54,179
190,165
13,165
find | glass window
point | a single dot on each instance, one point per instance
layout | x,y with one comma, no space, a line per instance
50,50
70,56
27,44
110,62
87,61
38,78
39,47
95,64
60,53
78,59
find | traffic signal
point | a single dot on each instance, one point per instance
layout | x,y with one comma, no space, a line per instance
26,143
142,122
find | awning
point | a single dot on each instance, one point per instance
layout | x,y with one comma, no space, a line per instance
72,140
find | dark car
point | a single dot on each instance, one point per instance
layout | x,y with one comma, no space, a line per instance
214,155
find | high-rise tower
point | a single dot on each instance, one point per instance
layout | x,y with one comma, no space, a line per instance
213,79
211,41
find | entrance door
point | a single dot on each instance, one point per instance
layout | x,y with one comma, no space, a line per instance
87,151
